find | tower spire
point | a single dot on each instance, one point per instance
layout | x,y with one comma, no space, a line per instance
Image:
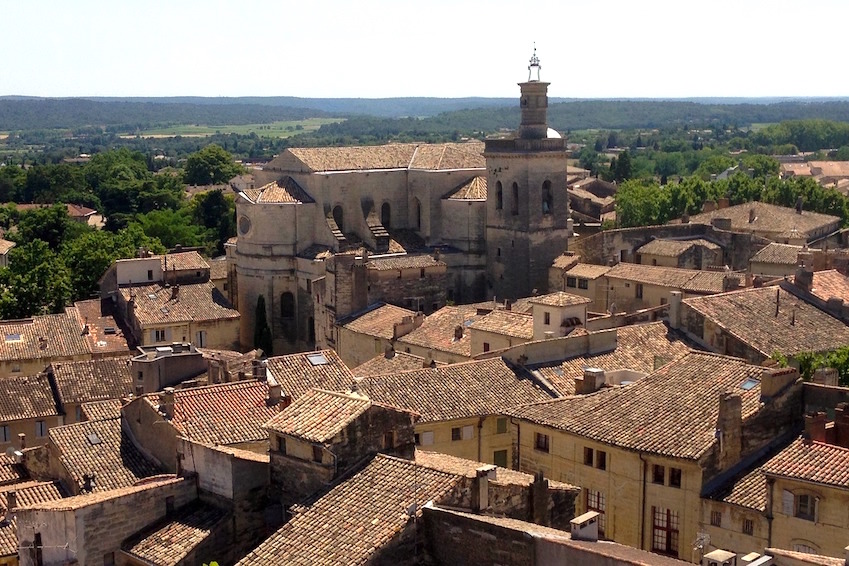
534,67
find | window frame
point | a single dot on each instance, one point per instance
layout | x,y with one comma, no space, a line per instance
595,501
748,527
589,456
542,442
601,460
658,474
456,433
676,476
40,428
501,426
716,518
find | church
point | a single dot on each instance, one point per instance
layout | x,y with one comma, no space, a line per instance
326,232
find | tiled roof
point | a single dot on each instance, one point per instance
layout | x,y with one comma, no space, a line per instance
437,331
46,336
768,218
707,282
99,496
319,415
102,410
468,468
396,362
6,245
455,391
352,521
673,248
218,269
588,270
672,411
566,260
225,413
196,302
505,322
576,191
285,190
815,462
750,316
560,299
11,471
378,321
829,284
830,168
102,449
26,494
93,380
749,491
26,397
641,347
298,373
392,156
798,558
98,315
652,274
473,189
783,254
171,540
416,261
183,261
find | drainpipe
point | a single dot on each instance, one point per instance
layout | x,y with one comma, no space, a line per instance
480,439
769,501
518,445
643,503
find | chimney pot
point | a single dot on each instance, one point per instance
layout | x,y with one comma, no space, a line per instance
22,440
275,393
815,426
166,402
11,501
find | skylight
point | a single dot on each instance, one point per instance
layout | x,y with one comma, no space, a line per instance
317,359
13,338
750,383
93,439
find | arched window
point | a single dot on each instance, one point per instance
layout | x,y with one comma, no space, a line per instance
499,196
339,218
287,305
418,210
547,199
515,199
385,215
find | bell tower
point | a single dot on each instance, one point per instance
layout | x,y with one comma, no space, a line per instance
527,214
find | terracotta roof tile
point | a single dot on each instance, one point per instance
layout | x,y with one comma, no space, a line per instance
285,190
412,261
437,331
41,337
102,449
782,254
588,270
99,496
507,323
748,491
391,156
92,380
298,373
378,321
10,471
641,347
750,316
319,415
708,282
673,248
576,191
815,462
218,269
652,274
6,245
560,299
803,558
26,397
467,389
768,218
102,410
26,494
435,157
395,362
183,261
831,283
104,335
171,540
468,469
195,302
672,411
358,516
473,189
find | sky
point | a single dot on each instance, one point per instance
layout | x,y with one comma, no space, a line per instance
440,48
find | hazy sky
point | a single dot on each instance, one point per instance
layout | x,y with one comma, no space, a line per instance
447,48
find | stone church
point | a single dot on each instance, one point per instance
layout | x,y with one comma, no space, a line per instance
328,231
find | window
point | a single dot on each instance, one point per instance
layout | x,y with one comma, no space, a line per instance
595,502
547,199
317,455
805,548
386,215
16,367
716,518
541,442
38,547
515,199
281,444
639,291
501,425
456,433
498,252
5,434
806,507
339,218
658,474
418,208
601,459
499,196
427,438
388,440
417,439
150,275
674,477
571,282
40,428
499,458
141,376
547,318
664,531
486,346
468,432
748,527
159,335
588,456
200,338
78,413
583,284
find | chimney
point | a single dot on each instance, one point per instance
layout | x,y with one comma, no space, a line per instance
590,382
539,500
685,218
841,425
826,376
89,481
804,279
775,380
275,394
675,298
428,361
175,291
11,501
22,440
480,487
508,305
815,427
166,402
709,206
389,352
729,427
259,369
722,203
458,332
285,401
751,215
799,202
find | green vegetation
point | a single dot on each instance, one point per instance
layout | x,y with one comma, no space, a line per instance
809,362
262,332
276,129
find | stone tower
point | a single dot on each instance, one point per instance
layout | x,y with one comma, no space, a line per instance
527,214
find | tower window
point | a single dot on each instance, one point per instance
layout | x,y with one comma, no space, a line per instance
339,218
499,196
515,199
547,199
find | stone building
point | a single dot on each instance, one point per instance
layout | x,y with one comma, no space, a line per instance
329,231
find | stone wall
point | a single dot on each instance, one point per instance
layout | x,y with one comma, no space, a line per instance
415,289
293,479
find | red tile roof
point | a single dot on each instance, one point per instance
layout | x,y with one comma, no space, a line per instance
815,462
318,415
378,321
26,397
298,373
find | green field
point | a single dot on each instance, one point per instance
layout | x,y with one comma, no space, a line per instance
271,130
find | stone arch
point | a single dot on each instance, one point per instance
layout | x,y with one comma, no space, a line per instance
547,197
499,196
386,215
515,210
339,217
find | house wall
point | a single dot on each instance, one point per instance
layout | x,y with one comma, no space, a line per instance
623,293
135,271
729,535
422,289
494,340
151,431
557,315
356,348
771,270
827,534
482,445
30,429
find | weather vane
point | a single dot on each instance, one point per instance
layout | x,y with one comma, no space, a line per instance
534,66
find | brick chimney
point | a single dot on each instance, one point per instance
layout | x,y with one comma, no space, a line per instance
11,501
729,426
592,380
775,380
275,393
841,425
175,292
804,279
752,215
166,402
389,352
815,426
